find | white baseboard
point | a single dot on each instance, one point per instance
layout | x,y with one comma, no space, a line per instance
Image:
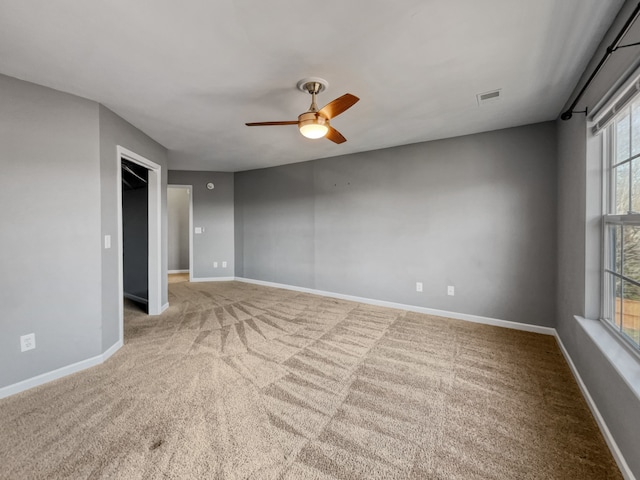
178,271
411,308
213,279
164,307
59,372
135,298
111,350
606,433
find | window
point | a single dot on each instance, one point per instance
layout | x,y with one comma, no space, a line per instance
621,222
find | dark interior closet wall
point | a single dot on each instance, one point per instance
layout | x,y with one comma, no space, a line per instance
135,230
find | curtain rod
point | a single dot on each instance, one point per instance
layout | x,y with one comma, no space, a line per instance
610,49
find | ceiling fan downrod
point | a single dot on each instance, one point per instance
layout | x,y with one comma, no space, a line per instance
313,88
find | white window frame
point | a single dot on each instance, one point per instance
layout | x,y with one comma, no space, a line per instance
608,130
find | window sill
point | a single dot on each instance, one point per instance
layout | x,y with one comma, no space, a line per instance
625,362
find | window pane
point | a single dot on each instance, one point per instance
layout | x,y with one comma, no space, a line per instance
635,128
613,253
618,302
615,238
623,143
631,311
631,252
622,189
635,185
608,310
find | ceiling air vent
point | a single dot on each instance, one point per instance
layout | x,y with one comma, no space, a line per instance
489,97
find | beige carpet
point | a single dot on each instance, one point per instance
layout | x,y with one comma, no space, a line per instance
178,277
237,381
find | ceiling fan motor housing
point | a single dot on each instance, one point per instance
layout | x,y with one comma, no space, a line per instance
307,118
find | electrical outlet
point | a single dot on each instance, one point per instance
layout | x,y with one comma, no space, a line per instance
27,342
224,264
451,291
418,286
215,264
107,241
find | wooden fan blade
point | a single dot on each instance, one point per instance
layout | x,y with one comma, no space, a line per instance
335,136
337,106
262,124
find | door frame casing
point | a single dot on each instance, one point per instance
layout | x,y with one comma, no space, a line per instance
155,234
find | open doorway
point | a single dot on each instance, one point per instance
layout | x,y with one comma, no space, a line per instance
150,171
179,218
135,233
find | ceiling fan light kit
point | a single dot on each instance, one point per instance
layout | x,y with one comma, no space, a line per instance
314,123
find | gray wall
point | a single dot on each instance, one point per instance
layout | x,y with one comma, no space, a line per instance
213,211
476,212
178,226
50,235
275,224
135,242
115,131
579,249
58,187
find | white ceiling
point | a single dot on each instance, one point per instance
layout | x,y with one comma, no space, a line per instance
191,73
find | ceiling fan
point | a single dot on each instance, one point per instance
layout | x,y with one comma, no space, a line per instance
314,123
